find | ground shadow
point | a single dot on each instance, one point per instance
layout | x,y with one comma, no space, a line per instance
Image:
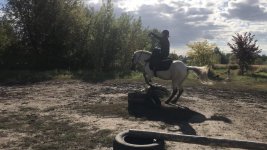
174,115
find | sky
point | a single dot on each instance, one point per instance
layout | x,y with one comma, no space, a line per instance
195,20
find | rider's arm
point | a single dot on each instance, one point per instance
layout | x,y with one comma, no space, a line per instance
156,36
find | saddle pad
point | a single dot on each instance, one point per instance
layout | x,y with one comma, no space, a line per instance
163,65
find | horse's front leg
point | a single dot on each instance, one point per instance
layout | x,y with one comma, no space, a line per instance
181,90
147,80
174,91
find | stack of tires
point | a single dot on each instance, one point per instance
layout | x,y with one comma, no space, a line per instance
138,102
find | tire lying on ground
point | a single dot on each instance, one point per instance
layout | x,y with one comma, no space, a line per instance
126,141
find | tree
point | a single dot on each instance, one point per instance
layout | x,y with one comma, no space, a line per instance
220,56
201,53
261,60
154,41
10,53
182,58
232,58
66,34
245,49
49,30
5,36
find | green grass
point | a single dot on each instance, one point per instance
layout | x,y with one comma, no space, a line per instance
256,80
250,80
235,66
253,81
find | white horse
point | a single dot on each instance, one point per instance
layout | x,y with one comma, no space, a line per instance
177,72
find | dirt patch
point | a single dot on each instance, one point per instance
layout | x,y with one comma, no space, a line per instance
71,114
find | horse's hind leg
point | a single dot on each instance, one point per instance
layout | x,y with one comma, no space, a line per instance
174,91
181,90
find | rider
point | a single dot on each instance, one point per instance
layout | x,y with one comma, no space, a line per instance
164,46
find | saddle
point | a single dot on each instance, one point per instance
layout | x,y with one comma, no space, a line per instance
161,65
157,63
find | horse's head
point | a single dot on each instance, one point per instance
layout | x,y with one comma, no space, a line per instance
139,57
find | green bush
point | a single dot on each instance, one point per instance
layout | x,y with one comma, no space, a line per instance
219,66
233,66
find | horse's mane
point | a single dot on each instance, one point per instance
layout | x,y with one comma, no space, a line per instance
142,51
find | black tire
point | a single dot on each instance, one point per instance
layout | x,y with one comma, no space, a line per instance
136,102
143,99
125,141
136,97
152,100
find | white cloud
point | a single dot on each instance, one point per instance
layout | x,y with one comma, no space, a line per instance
190,20
247,10
134,5
1,13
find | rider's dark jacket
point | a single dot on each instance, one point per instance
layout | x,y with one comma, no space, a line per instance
164,45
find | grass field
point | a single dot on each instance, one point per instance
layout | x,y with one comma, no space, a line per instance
256,80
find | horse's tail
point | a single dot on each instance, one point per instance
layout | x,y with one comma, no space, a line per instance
201,72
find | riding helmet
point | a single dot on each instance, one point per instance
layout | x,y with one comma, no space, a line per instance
165,33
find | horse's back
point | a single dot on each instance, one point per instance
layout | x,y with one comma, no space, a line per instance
178,63
178,68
